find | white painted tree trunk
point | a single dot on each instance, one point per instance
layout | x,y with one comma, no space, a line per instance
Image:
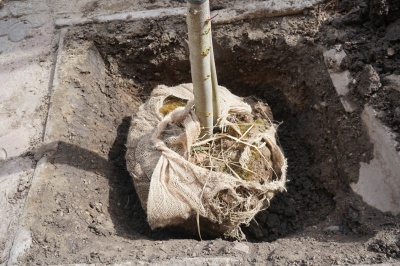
199,28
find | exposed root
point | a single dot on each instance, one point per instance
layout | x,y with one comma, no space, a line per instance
235,150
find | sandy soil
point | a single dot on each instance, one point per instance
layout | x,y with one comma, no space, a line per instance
86,209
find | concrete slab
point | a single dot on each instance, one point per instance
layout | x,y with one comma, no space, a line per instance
261,9
20,238
91,9
26,45
19,31
21,8
341,79
26,60
15,180
22,242
341,82
229,15
379,181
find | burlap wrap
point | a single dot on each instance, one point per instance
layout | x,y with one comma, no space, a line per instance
171,188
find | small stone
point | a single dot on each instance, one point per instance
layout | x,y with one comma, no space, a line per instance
4,12
241,247
397,113
6,25
3,154
369,81
36,21
392,31
18,31
392,82
111,29
348,105
390,51
332,228
337,22
381,114
338,47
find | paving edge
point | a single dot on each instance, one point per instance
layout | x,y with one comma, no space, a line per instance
197,261
275,8
23,239
54,81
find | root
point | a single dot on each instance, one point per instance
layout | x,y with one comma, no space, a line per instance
225,152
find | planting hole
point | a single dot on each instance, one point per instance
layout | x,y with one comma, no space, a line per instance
108,70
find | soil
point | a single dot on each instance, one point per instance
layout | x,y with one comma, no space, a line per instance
88,197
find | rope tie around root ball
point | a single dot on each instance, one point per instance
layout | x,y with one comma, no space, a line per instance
224,180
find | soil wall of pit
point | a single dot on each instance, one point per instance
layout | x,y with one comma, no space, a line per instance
278,61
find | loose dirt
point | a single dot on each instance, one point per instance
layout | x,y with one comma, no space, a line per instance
87,210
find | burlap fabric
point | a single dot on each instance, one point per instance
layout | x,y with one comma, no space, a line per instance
172,190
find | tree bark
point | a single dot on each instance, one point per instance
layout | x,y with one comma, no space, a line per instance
199,28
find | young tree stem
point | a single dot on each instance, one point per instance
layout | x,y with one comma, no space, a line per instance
199,28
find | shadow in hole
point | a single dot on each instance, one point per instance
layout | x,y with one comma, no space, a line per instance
126,213
129,218
306,202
